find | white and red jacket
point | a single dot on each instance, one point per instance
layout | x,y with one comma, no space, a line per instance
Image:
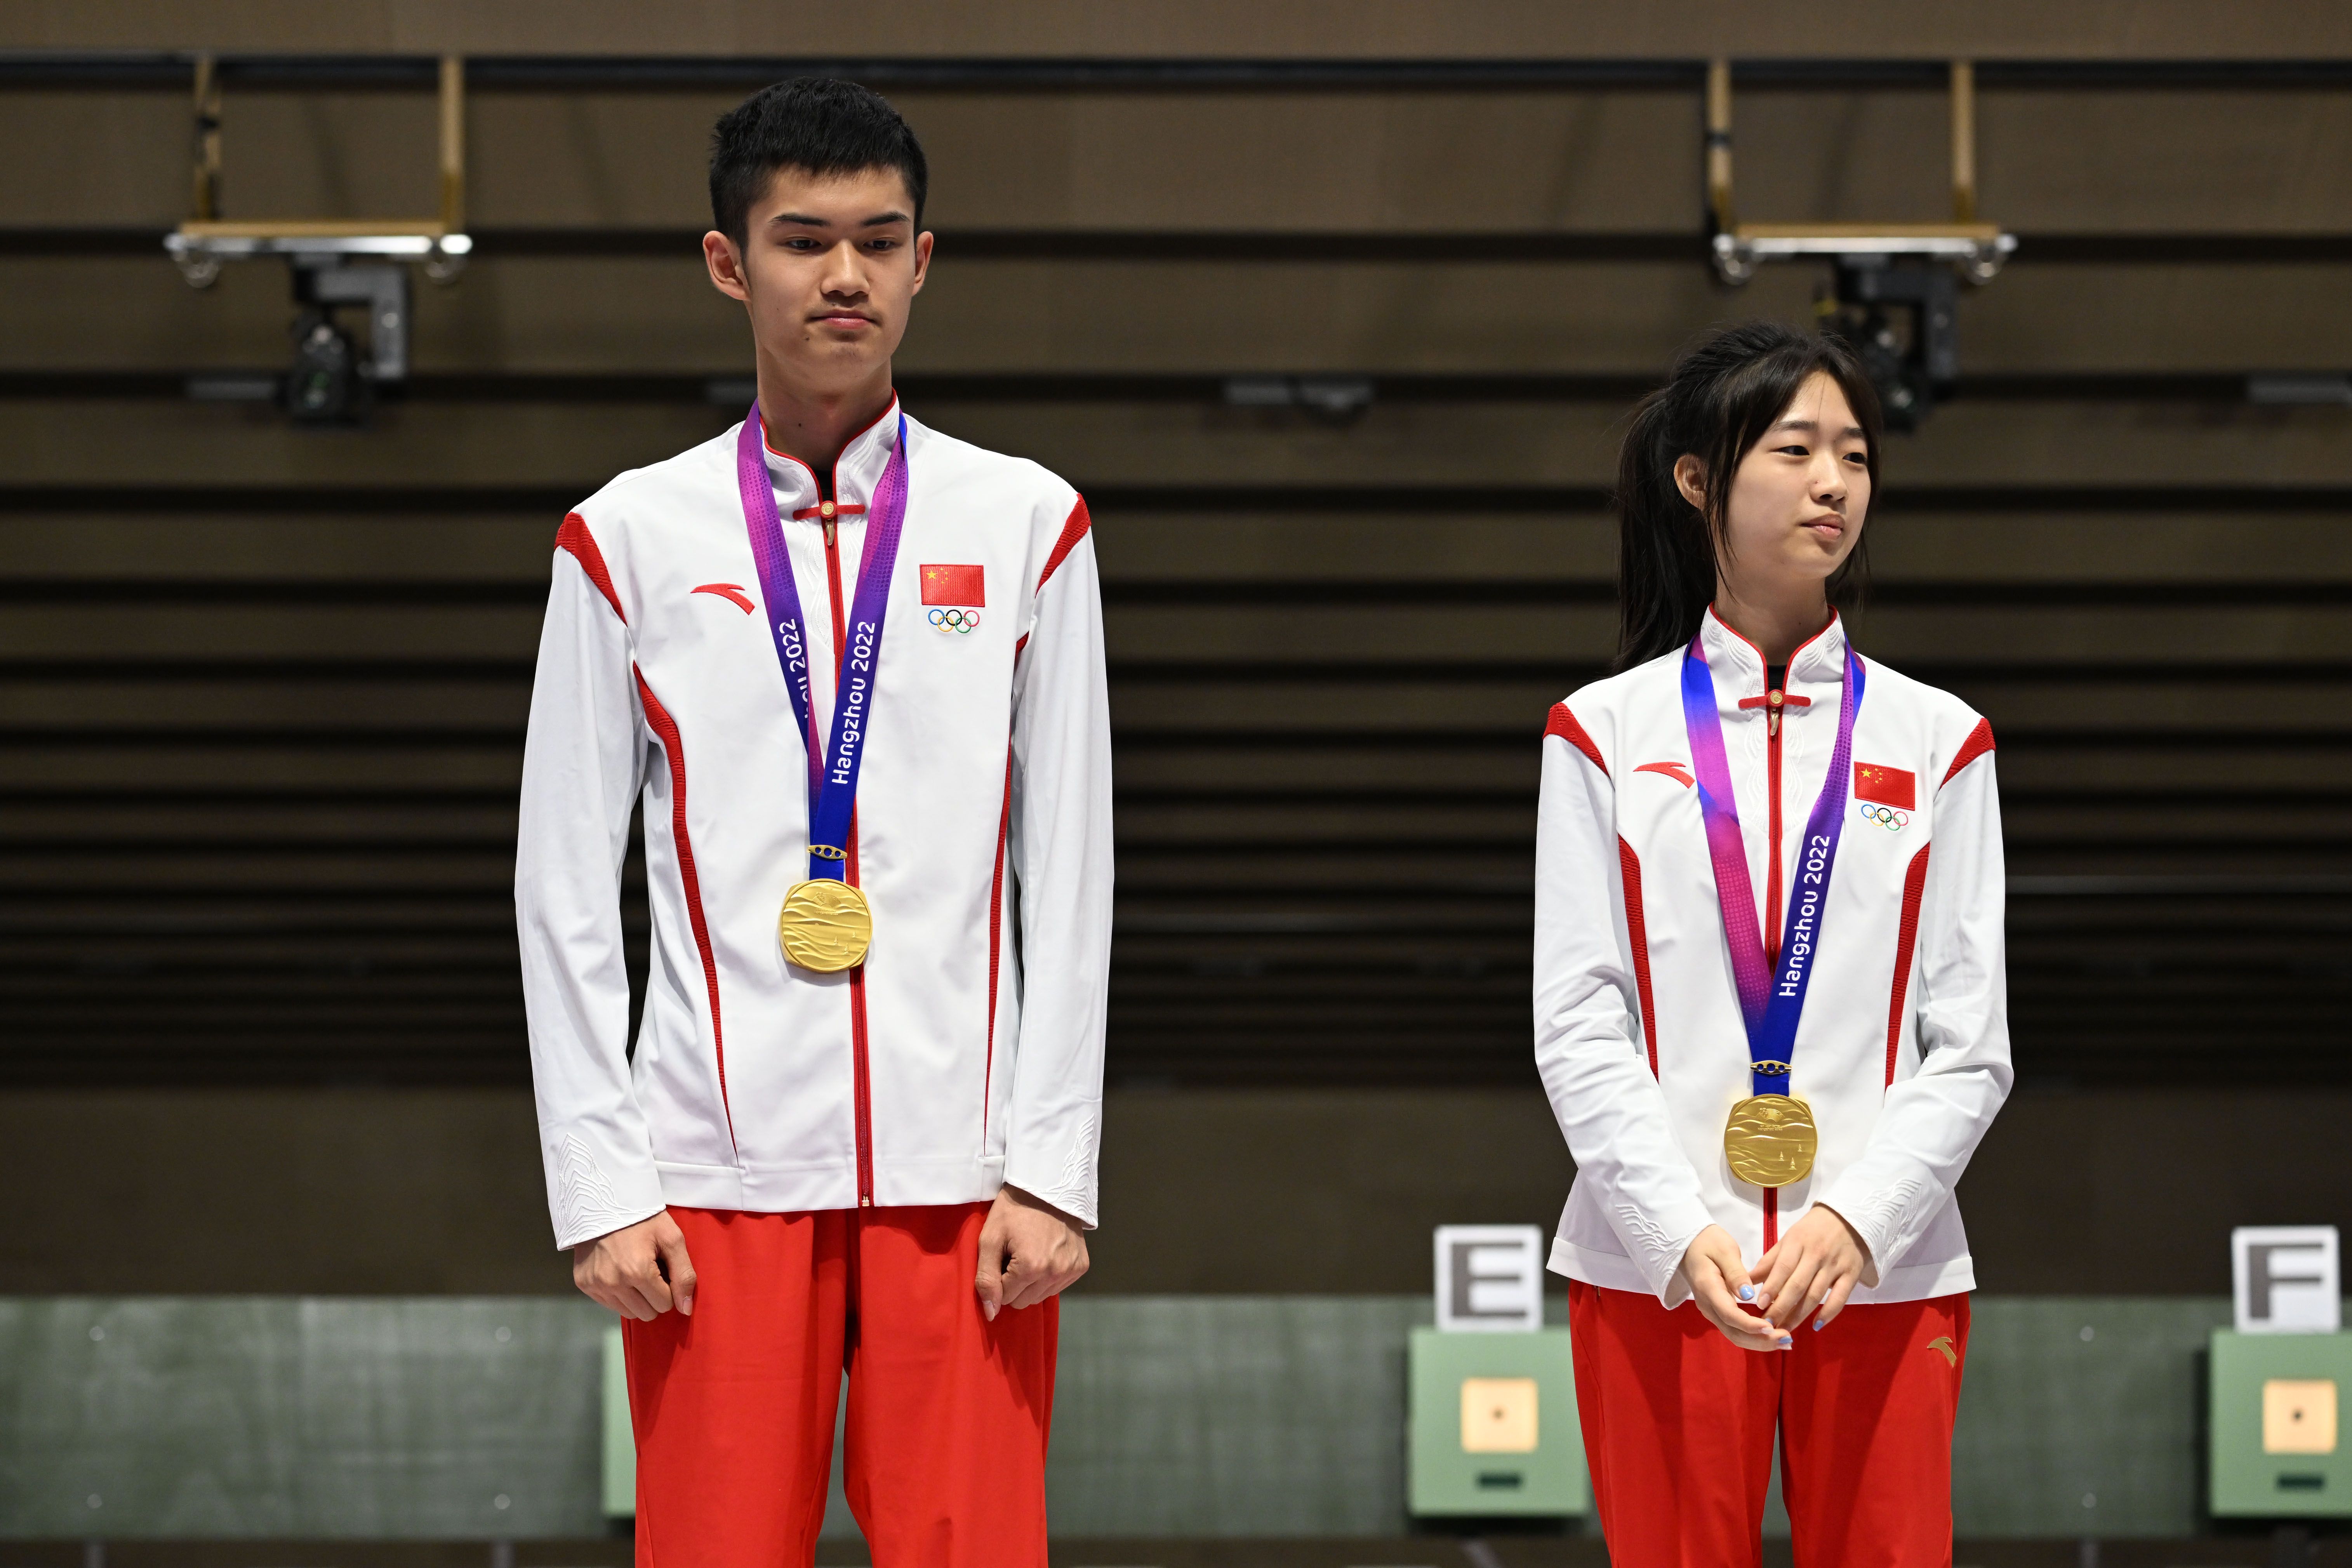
966,1052
1903,1047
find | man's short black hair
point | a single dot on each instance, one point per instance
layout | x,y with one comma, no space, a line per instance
820,124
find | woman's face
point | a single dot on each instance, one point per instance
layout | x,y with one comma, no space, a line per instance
1798,497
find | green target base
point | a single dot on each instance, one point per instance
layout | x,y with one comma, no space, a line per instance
1492,1428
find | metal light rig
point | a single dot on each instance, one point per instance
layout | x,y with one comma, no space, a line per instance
1880,271
334,264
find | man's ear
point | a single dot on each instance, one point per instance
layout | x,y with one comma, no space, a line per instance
922,261
726,265
1690,473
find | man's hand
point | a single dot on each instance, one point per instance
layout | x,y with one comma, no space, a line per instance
1719,1283
639,1271
1029,1252
1816,1263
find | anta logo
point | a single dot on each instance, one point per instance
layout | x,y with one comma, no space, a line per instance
731,592
1675,771
1942,1345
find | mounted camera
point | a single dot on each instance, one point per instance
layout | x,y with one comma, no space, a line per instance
1894,290
331,383
335,264
1903,322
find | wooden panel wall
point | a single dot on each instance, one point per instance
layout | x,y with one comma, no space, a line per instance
262,689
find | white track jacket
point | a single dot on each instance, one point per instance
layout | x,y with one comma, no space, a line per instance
1903,1047
966,1052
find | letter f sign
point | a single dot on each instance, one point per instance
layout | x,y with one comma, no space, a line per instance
2286,1278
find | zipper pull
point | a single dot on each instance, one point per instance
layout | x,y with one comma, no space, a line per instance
1773,700
829,526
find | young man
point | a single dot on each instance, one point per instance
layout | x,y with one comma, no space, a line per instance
854,669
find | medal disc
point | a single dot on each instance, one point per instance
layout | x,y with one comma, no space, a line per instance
826,926
1770,1140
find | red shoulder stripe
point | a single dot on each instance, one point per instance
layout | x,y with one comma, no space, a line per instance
1563,724
1978,743
1071,531
574,536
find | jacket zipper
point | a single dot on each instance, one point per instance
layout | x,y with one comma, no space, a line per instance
860,1078
1772,707
1774,701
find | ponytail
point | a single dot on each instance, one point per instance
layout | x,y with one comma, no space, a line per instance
1723,396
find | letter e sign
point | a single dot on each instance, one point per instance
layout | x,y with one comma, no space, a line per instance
1489,1278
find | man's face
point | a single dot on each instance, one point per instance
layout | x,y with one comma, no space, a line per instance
828,270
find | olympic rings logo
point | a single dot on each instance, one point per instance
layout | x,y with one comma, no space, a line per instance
955,620
1886,816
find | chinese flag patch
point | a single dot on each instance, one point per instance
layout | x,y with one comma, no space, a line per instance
1887,786
953,585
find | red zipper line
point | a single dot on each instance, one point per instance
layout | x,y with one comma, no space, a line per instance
861,1077
1772,919
1772,702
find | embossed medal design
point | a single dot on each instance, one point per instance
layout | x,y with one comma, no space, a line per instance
826,926
1771,1140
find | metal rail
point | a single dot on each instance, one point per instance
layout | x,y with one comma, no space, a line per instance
1677,247
1335,394
171,70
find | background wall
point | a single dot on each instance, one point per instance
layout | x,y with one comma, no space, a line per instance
262,689
1228,1192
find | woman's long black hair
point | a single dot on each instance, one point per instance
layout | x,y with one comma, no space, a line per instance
1724,394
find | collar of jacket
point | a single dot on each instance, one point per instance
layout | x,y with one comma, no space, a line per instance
1816,673
855,473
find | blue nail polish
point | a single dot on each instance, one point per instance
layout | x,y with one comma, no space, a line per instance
1747,1292
1818,1324
1786,1344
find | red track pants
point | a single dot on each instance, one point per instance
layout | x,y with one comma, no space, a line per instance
1678,1425
733,1407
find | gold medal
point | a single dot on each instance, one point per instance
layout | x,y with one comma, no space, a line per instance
826,926
1771,1140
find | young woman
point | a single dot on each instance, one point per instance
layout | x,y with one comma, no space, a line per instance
1769,1005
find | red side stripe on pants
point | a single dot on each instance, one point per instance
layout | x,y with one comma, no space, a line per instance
665,728
1907,938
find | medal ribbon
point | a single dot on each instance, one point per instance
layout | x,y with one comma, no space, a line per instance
1770,1002
833,769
